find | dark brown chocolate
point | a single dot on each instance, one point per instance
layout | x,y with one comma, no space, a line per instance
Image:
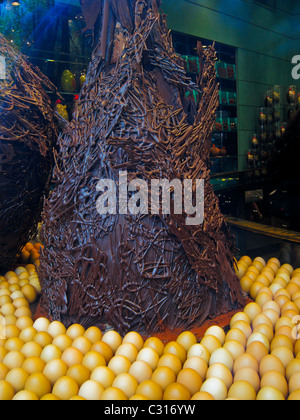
27,136
144,273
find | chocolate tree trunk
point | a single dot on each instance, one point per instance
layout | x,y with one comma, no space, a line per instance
147,271
27,136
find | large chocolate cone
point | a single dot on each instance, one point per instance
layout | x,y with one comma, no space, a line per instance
27,136
142,272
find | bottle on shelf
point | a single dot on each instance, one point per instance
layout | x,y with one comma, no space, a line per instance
61,110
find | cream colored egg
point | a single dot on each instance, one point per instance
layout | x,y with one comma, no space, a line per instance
252,309
239,316
42,338
171,361
202,396
272,315
128,350
17,378
275,379
200,351
82,344
246,259
190,379
223,356
244,327
236,334
151,390
177,349
103,349
211,343
216,388
119,364
113,339
235,348
65,388
39,384
282,340
272,305
242,390
72,356
50,352
93,334
149,356
33,365
75,331
91,390
284,354
187,339
255,288
257,336
54,370
141,371
93,359
113,394
274,288
198,364
249,375
14,359
25,395
258,350
220,371
104,376
261,319
269,363
126,383
294,382
263,298
56,328
217,332
41,324
134,338
292,367
157,345
266,330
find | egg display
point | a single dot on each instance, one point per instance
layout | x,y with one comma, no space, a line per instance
256,357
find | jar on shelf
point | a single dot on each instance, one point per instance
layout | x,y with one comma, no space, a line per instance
269,99
255,142
233,124
194,66
226,124
218,124
292,95
223,97
232,98
276,94
276,115
282,129
231,71
221,70
262,118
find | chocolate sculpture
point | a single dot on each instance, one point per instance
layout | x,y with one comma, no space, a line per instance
146,272
27,135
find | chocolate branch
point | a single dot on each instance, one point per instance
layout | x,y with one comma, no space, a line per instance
143,272
27,137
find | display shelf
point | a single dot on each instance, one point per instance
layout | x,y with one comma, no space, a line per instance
225,135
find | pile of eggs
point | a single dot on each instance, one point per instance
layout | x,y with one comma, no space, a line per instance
257,359
31,253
